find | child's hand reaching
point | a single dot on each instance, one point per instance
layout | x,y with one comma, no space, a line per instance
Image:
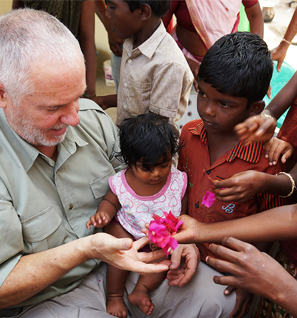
100,219
256,129
277,148
241,186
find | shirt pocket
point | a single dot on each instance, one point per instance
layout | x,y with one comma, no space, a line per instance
139,100
38,228
100,186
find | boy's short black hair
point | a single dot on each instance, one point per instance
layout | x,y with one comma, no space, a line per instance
147,138
238,64
159,7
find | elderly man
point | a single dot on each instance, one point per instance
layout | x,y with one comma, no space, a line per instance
56,154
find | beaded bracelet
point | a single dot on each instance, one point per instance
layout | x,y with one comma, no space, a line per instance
292,182
284,40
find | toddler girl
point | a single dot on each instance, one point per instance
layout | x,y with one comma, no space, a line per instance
150,185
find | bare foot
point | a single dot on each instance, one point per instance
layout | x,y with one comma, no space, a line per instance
115,306
141,299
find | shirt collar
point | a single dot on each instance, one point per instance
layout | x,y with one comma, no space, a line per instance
250,153
26,153
149,46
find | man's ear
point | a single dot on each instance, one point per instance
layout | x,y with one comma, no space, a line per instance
256,108
145,12
3,97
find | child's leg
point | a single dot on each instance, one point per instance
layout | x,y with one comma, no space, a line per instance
140,296
116,278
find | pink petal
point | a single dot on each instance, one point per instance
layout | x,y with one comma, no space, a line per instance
209,199
161,229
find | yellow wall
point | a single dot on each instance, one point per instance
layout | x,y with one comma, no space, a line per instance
101,39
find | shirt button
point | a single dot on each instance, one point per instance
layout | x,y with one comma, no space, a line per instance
125,84
70,207
129,61
124,106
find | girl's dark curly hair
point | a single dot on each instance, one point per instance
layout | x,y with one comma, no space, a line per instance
147,138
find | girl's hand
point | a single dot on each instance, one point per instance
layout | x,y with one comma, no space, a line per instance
276,148
240,187
100,219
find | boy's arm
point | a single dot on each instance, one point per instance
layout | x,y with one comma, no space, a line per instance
255,17
261,128
113,40
16,4
106,101
276,224
279,53
170,89
87,43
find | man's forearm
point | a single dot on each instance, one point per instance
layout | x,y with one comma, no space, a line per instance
35,272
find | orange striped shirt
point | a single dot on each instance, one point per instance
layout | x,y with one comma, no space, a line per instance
194,160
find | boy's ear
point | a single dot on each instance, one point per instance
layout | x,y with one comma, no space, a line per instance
145,12
256,108
3,97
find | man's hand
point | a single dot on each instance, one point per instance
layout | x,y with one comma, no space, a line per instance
123,254
185,260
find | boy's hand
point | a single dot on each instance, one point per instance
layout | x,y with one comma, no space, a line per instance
256,129
240,187
276,148
100,219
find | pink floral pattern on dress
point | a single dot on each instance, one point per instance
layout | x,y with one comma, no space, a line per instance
137,210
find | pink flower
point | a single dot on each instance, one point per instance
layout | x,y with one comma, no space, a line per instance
209,199
161,231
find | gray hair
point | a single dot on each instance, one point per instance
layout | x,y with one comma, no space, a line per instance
29,36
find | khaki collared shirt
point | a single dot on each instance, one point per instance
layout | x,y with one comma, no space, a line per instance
154,77
44,204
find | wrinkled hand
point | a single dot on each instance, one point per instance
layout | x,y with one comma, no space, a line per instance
123,254
185,260
240,187
276,148
256,129
278,54
188,232
99,220
243,301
